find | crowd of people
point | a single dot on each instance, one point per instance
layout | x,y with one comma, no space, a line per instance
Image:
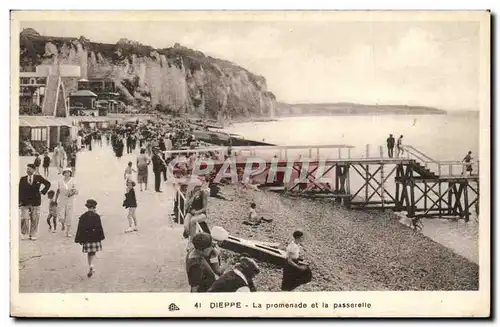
152,140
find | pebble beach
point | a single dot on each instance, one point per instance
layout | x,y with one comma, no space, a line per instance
348,250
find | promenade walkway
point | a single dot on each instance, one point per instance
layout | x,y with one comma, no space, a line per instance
151,260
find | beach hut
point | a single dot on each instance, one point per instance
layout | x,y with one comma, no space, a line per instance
44,132
83,103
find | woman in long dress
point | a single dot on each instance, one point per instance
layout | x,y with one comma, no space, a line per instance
65,198
119,147
59,157
143,162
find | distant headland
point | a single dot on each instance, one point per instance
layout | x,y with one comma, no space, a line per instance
347,108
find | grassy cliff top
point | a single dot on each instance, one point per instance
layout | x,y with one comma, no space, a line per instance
33,52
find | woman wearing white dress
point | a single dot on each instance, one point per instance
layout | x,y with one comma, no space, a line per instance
65,198
59,157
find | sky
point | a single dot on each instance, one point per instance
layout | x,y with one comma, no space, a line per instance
414,63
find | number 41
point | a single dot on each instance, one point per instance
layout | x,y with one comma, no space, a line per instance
197,305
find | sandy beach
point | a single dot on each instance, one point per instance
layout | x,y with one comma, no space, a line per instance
348,250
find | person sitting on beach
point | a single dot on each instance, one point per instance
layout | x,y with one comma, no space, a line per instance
253,219
239,279
247,183
199,272
296,272
215,191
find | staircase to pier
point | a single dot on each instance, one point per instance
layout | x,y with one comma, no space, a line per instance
50,99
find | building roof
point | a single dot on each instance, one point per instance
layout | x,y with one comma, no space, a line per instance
43,121
83,93
92,119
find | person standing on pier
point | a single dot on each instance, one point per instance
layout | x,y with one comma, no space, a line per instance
390,145
30,200
400,146
468,159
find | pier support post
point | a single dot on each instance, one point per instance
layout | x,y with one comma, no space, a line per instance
338,174
399,177
411,211
466,200
347,200
450,199
382,185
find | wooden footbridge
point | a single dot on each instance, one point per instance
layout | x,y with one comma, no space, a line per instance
413,183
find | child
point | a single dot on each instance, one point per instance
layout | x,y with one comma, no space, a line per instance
37,163
130,203
52,211
253,219
127,175
90,233
46,164
296,272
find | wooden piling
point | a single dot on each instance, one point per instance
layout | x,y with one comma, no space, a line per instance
466,201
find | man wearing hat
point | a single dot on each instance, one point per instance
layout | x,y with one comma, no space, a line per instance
158,166
199,271
30,200
240,279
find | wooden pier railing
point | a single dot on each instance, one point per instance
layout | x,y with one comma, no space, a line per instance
447,168
336,151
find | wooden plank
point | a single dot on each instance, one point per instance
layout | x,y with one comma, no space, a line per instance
466,202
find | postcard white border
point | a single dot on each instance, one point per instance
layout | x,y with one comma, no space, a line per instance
383,304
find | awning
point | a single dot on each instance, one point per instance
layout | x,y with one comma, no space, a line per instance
92,119
44,121
83,93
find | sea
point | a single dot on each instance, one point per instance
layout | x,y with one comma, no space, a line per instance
441,137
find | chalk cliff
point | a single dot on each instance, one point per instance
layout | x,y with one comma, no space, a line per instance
175,79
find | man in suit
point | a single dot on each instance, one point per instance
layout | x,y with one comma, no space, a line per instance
158,166
30,200
390,146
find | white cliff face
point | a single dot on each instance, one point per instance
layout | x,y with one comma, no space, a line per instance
204,88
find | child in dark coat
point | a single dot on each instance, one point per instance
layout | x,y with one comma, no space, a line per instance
90,233
46,164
